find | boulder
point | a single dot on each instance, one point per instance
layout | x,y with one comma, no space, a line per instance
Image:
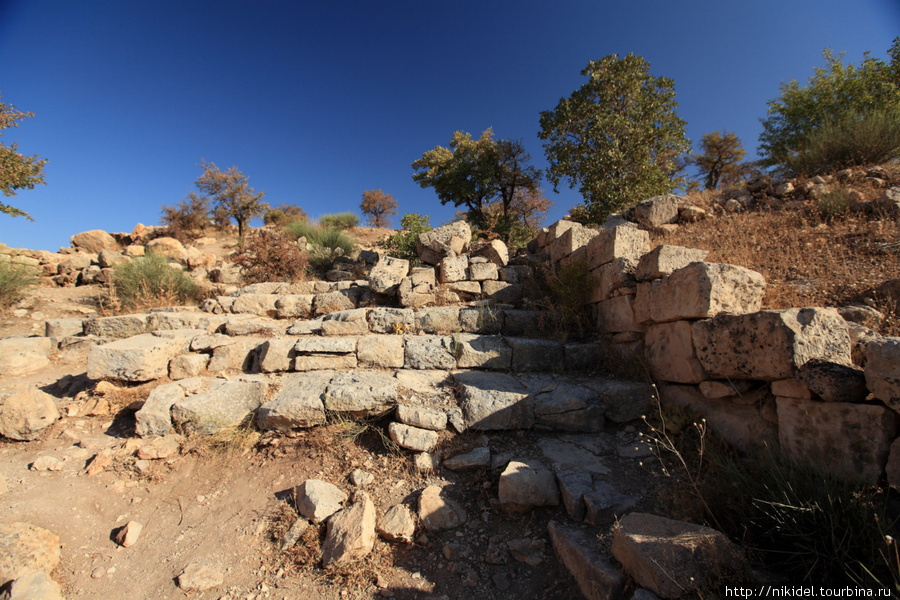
168,247
656,211
437,511
437,243
385,277
22,356
526,485
224,404
25,548
673,558
298,404
140,358
94,241
317,500
770,344
25,414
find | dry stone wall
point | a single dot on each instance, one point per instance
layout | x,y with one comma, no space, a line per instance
824,386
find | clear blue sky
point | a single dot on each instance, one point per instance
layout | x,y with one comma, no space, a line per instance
318,101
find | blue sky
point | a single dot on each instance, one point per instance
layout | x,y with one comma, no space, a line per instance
318,101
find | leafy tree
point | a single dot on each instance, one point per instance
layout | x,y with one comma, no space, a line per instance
17,171
833,93
720,160
231,194
379,206
474,173
617,137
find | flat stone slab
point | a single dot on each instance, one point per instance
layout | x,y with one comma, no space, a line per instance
222,405
140,358
361,393
569,407
298,404
494,401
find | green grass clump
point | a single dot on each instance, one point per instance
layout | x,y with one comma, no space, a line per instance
150,281
14,278
344,220
325,243
855,140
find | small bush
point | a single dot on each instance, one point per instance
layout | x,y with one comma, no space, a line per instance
186,220
14,278
403,244
272,256
834,204
344,220
150,281
285,214
855,140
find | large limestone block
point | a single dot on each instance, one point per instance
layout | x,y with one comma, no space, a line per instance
883,370
442,320
429,352
277,354
155,418
25,414
322,345
611,276
351,532
770,344
25,548
617,242
495,251
702,290
223,405
673,558
482,352
664,259
60,328
140,358
21,356
617,315
670,353
481,320
331,302
492,401
833,382
744,426
361,393
568,407
483,271
657,211
293,306
597,577
530,355
298,404
256,304
525,485
454,268
392,320
94,241
386,351
318,362
422,417
385,277
239,355
852,440
437,243
575,237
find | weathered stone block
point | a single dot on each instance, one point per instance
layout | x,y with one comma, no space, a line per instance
298,404
361,393
494,401
454,268
883,370
442,321
610,277
625,242
703,290
770,344
385,277
670,353
573,238
656,211
429,352
392,320
617,315
222,405
664,260
530,355
386,351
502,292
21,356
482,352
140,358
294,306
483,271
256,304
597,577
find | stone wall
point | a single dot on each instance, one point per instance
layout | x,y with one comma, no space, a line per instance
825,387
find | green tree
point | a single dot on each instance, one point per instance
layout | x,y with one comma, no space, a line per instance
833,94
17,171
231,194
475,173
617,137
720,160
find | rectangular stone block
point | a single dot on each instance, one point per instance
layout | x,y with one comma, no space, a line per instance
617,242
140,358
663,260
575,236
483,271
442,320
611,276
277,354
481,320
617,315
530,355
320,362
482,352
670,353
381,351
454,268
321,345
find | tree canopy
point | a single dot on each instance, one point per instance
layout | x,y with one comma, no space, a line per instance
720,159
17,171
379,207
231,194
476,174
833,94
617,137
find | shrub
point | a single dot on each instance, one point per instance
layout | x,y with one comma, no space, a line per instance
324,243
150,281
272,256
853,140
344,220
14,278
284,214
403,244
834,204
186,220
